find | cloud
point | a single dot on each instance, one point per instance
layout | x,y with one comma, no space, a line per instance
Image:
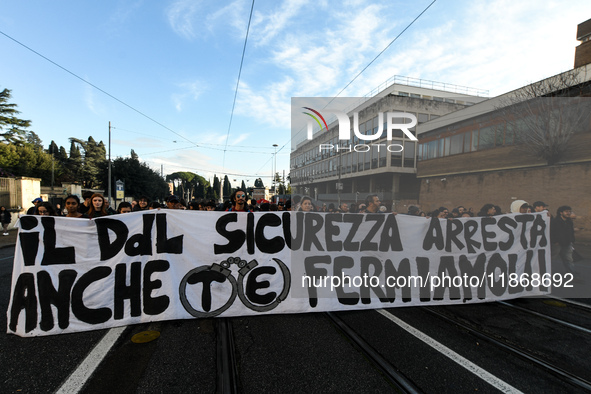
182,15
189,91
91,101
124,10
484,45
265,27
233,14
269,106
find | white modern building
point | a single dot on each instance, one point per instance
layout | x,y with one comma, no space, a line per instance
356,169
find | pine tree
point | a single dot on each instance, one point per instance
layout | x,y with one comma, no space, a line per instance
216,187
227,188
12,129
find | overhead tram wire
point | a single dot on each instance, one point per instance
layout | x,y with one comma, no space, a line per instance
202,145
237,84
99,89
383,50
370,63
257,175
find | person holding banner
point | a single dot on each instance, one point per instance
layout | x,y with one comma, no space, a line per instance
98,207
46,209
124,207
487,210
372,204
238,199
142,204
72,203
306,205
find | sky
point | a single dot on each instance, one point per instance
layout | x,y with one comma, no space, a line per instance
165,73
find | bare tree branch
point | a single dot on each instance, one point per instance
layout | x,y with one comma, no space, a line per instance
545,115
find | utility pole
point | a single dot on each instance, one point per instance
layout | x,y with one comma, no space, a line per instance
275,170
52,170
109,183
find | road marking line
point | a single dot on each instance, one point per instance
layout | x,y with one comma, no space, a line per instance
470,366
80,376
6,258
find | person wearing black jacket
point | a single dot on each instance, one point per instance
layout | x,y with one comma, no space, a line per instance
5,219
562,236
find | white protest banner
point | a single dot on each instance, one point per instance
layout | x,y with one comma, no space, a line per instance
75,275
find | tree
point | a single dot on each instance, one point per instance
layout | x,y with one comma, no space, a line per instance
258,183
27,160
139,178
12,129
33,139
288,188
243,185
545,115
74,163
216,188
182,183
53,149
9,157
227,188
94,160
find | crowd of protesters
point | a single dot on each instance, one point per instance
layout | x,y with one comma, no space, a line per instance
95,205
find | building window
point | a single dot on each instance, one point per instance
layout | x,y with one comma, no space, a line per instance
509,135
383,156
467,141
409,154
457,144
500,135
396,159
486,138
446,149
474,146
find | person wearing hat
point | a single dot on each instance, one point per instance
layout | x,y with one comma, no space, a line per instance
33,210
540,206
173,202
519,206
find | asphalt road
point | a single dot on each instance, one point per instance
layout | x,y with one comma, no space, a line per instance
306,353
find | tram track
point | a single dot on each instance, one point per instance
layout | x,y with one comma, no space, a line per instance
546,317
560,372
227,377
390,372
582,305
